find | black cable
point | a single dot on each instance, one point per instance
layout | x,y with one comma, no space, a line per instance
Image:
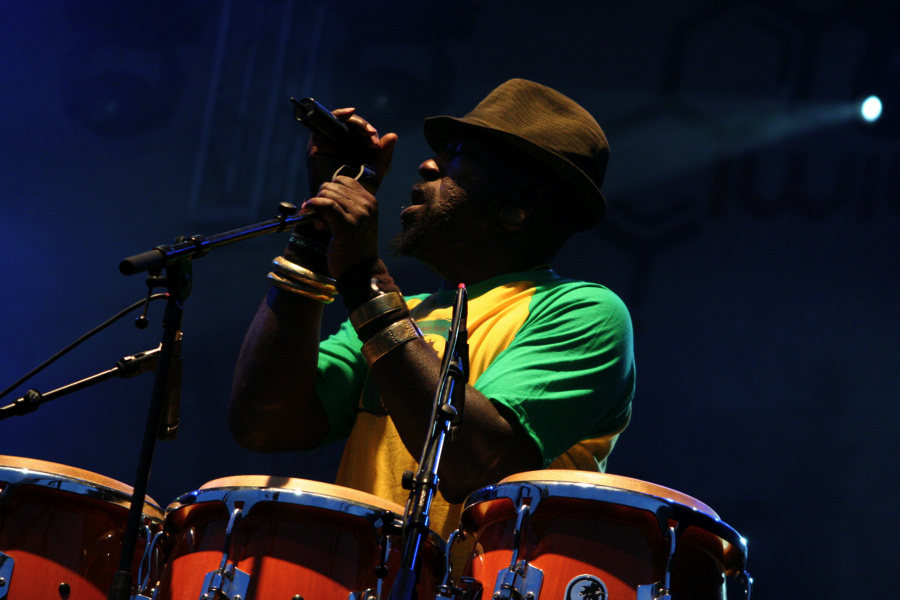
81,339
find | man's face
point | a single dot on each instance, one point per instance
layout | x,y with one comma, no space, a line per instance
456,201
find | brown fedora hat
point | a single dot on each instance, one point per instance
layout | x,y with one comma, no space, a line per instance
550,127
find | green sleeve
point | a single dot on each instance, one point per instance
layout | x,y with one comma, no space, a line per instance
568,374
341,374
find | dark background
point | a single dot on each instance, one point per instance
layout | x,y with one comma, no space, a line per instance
752,229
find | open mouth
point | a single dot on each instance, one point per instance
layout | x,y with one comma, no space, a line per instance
416,195
417,199
408,213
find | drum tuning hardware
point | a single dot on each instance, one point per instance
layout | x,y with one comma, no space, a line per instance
145,568
661,590
368,594
227,582
469,588
6,569
520,581
747,581
652,591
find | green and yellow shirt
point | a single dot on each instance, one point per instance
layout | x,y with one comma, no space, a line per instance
557,353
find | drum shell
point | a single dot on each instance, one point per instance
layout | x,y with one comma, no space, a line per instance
577,528
295,537
63,528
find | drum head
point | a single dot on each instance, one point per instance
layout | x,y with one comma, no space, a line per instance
15,470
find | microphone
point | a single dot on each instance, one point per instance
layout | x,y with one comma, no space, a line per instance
320,121
461,358
169,415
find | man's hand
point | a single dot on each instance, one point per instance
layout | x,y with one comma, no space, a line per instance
348,207
323,160
350,212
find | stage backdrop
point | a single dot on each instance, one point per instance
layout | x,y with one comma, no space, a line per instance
752,229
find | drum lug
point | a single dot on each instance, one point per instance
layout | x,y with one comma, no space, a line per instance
145,569
661,590
744,578
229,583
6,569
469,589
521,582
652,591
368,594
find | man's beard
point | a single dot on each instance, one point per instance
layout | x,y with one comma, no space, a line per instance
413,238
440,228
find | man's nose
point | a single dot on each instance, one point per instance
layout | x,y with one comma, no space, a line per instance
429,170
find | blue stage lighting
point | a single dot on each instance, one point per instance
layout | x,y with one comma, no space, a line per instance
870,109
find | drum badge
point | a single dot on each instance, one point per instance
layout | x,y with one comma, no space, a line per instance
586,587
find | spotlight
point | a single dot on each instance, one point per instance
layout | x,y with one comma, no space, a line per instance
870,109
877,79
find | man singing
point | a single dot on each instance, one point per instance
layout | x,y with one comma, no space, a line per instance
551,360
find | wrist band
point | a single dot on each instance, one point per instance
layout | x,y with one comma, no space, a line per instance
301,241
295,287
307,251
392,336
291,270
378,306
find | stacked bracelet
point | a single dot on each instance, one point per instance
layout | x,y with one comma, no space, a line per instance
299,280
391,337
379,306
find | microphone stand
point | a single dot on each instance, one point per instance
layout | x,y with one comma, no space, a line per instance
446,416
199,246
178,282
126,368
176,260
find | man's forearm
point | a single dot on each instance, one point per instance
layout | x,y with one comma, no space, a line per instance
274,406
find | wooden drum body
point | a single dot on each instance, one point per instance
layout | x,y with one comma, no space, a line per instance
61,531
263,537
574,535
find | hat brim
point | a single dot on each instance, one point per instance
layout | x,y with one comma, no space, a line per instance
440,130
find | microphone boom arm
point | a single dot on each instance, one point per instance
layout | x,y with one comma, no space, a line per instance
199,246
126,368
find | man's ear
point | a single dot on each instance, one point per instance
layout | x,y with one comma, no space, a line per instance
513,215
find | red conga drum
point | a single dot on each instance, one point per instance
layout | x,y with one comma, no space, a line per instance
261,537
61,531
575,535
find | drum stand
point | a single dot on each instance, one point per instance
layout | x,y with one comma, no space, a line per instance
446,417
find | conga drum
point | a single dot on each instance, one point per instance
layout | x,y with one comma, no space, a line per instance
575,535
260,537
61,531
